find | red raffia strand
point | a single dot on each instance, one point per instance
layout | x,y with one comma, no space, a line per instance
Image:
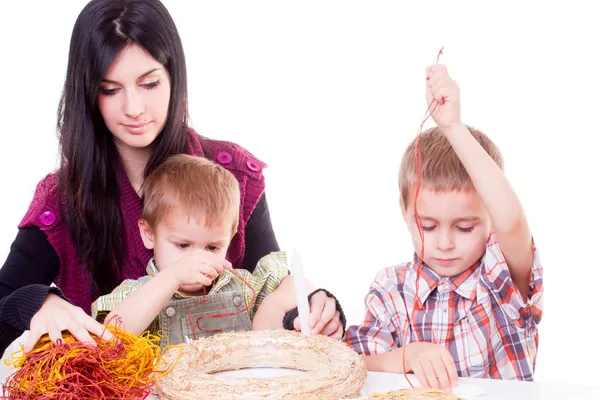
121,368
196,324
419,265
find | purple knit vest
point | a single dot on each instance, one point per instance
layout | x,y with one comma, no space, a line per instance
72,278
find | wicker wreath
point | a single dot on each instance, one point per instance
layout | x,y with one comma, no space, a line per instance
332,369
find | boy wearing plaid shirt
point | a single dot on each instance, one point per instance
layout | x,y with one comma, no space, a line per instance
474,306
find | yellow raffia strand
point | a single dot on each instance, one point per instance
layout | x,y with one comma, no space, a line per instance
128,364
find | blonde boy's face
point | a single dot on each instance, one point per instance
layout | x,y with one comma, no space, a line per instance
172,238
455,225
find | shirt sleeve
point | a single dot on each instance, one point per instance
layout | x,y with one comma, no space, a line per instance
378,333
268,274
32,260
497,278
18,308
105,304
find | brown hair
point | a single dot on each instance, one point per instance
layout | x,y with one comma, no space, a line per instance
194,186
441,169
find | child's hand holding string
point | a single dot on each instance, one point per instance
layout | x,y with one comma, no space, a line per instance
195,270
198,267
443,97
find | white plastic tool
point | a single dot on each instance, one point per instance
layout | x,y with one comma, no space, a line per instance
300,288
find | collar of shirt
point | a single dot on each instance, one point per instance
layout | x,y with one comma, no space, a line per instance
465,283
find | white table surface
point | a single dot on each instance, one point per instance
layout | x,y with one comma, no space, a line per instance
468,388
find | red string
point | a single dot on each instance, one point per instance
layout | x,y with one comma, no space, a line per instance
419,265
196,323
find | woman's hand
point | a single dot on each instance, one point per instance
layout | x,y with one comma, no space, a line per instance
57,315
324,319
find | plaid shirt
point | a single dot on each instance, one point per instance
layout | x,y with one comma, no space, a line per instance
479,315
268,274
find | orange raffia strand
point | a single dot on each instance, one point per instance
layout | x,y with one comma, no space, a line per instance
121,368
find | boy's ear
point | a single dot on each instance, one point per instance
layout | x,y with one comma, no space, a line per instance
146,233
403,209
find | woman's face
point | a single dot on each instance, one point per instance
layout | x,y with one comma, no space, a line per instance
134,99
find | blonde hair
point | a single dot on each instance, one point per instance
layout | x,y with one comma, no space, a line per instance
441,169
193,186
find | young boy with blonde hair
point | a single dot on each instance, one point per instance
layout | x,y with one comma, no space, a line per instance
190,214
473,308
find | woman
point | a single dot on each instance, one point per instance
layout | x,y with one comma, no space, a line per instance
123,112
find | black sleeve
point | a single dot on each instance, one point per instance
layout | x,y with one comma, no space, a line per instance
31,260
260,237
17,309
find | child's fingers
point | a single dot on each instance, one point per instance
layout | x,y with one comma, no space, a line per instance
434,80
450,368
203,279
438,70
209,271
439,77
441,373
219,267
419,372
442,87
431,373
438,92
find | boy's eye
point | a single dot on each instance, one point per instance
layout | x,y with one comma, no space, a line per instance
182,245
212,248
466,230
428,228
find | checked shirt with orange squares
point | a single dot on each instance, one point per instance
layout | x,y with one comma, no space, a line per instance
479,315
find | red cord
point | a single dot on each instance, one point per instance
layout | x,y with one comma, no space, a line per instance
196,323
419,265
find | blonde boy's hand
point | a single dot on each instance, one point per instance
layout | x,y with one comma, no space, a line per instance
198,267
432,364
445,94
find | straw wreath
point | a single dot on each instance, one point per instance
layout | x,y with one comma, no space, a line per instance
332,369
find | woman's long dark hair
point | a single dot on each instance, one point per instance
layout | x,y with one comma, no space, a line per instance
88,189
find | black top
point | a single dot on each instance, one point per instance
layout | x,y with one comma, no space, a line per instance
17,309
32,265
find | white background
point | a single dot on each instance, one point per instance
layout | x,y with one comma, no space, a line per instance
329,93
